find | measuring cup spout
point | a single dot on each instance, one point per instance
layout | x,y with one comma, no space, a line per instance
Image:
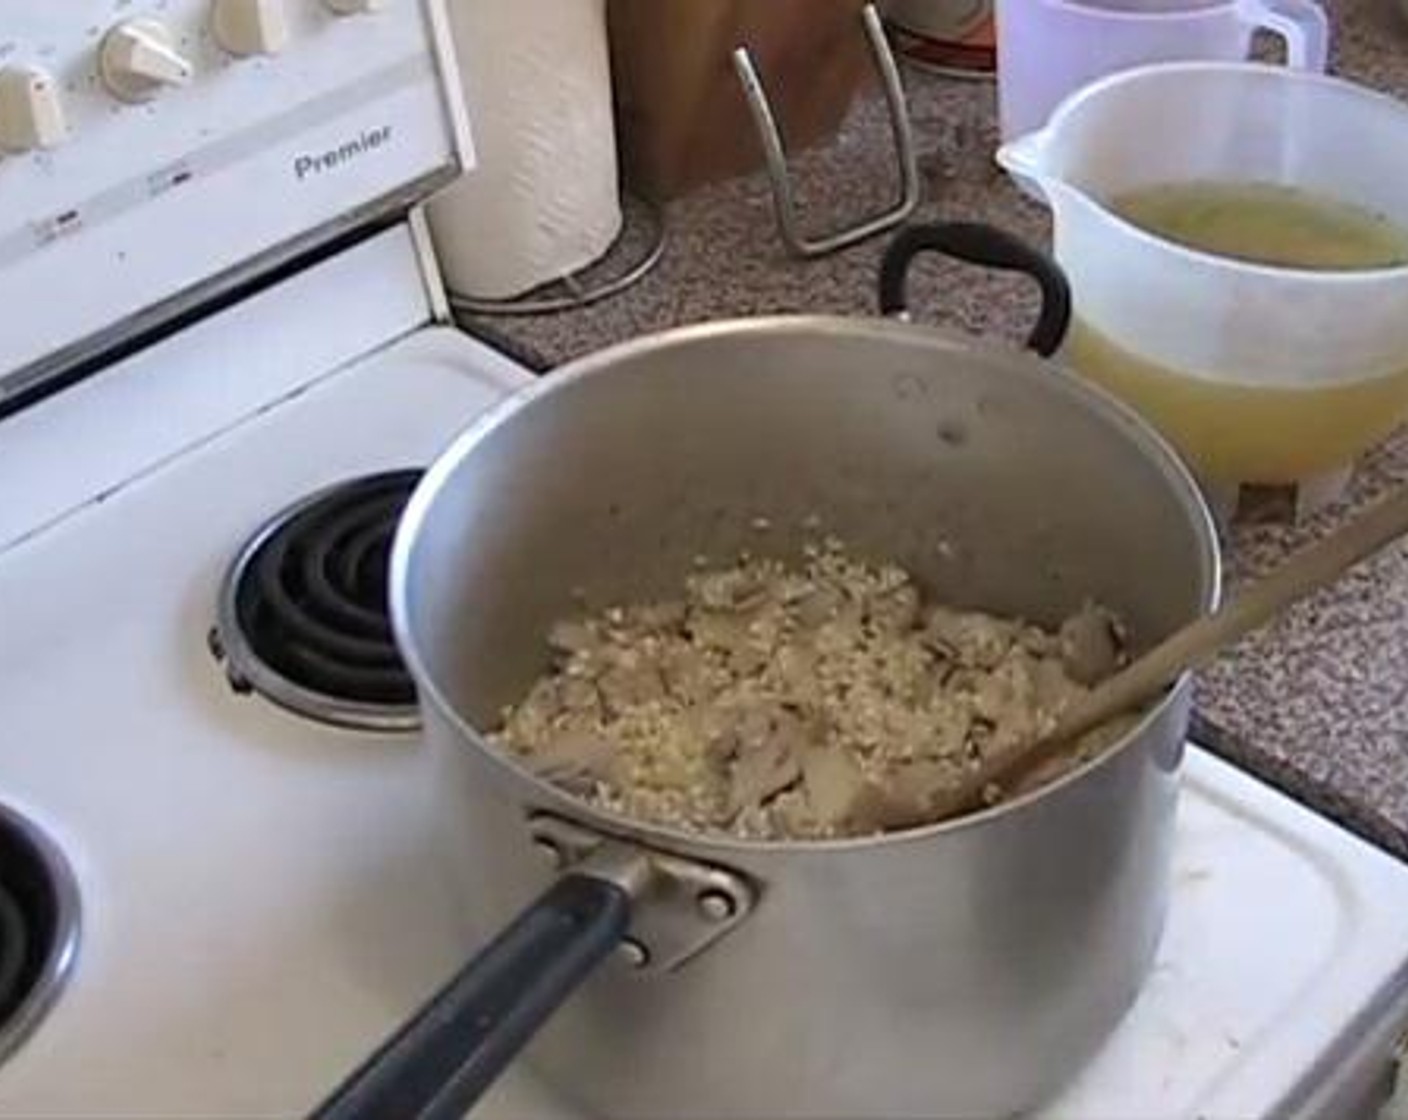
1024,155
1026,160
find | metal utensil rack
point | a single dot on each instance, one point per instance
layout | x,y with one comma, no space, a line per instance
784,198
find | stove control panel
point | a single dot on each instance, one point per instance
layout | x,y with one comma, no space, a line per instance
152,151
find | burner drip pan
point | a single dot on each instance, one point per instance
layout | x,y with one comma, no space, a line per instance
303,616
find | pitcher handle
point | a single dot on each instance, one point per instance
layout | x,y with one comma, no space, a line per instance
1301,24
984,245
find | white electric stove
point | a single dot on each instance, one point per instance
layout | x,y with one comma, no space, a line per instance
242,891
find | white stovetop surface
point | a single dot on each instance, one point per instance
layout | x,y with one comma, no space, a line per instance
259,902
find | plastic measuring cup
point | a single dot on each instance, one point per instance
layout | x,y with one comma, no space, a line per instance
1047,49
1258,374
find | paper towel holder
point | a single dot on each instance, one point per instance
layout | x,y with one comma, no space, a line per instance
784,199
581,287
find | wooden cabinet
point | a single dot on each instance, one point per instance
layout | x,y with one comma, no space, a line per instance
681,117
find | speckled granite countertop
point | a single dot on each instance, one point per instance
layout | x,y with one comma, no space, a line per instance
1318,702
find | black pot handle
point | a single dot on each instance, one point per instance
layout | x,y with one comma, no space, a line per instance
440,1063
983,245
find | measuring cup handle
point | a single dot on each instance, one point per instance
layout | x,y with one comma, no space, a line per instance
1302,24
985,245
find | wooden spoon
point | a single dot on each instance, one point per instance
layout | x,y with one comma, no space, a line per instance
1308,570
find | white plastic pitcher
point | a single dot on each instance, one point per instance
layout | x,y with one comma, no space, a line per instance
1259,374
1048,49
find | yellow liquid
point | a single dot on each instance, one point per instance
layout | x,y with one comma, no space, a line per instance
1235,433
1242,433
1266,223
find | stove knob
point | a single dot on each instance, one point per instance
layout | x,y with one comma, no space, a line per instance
354,7
31,110
138,60
248,27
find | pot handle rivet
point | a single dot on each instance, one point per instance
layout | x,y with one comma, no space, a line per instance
716,906
550,851
633,953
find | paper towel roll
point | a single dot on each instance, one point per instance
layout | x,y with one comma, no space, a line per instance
543,198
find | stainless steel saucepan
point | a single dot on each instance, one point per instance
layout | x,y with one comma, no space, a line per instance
964,969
